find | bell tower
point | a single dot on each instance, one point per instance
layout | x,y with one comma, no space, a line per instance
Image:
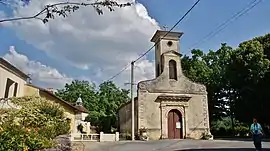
164,42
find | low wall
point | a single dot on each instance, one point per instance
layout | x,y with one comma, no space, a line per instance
101,137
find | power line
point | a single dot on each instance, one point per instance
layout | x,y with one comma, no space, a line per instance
226,23
126,66
169,30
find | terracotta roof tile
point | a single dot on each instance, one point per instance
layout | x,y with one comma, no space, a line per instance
83,109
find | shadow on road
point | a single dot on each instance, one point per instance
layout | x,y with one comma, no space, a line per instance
223,149
242,139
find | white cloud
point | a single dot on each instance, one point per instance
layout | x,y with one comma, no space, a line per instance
143,70
88,41
39,72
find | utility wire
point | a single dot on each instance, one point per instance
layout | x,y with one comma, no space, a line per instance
157,41
169,30
227,22
121,71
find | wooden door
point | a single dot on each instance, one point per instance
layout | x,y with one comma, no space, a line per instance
174,119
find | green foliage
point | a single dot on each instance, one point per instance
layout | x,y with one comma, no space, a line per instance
17,138
223,127
237,80
33,125
102,103
248,72
241,130
209,69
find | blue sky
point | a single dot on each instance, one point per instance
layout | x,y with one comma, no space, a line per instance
205,17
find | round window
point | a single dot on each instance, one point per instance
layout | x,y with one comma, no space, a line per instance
169,43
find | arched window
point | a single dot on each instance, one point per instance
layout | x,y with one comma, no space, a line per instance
172,70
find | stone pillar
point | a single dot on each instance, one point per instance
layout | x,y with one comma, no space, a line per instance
183,124
116,136
101,136
163,121
71,138
186,121
206,123
76,123
88,131
141,121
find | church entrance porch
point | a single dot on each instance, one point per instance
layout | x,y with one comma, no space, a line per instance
175,124
173,111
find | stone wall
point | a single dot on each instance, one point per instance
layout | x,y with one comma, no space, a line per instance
5,74
149,114
198,119
194,113
124,117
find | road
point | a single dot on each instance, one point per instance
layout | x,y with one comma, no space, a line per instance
174,145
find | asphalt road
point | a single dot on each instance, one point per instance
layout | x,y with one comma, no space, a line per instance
174,145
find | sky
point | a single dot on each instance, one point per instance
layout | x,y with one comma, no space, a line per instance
86,46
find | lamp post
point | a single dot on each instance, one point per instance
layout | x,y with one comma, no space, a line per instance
132,100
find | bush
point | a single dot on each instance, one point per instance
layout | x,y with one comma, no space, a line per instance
223,128
17,138
33,126
241,130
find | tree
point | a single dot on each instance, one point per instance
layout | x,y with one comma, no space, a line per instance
237,80
63,9
33,125
84,89
264,84
209,69
102,103
248,68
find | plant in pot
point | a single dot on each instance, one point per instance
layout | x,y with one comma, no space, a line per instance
143,134
207,136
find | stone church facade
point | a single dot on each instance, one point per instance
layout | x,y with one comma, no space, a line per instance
169,106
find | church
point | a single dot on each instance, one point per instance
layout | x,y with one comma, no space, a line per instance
170,106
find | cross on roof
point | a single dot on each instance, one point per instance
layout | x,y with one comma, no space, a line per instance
164,27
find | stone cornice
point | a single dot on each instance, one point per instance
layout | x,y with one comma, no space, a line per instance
165,98
183,86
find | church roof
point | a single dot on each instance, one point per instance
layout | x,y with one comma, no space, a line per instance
165,35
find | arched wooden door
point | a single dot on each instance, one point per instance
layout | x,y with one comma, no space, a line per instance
175,125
